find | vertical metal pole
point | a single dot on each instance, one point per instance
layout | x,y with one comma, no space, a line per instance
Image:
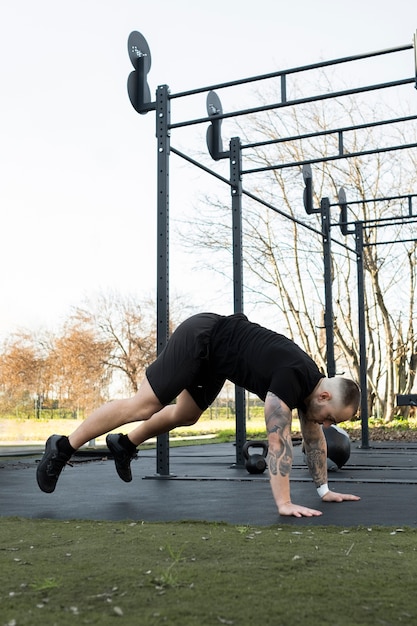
283,88
341,147
236,191
362,335
328,292
415,56
163,120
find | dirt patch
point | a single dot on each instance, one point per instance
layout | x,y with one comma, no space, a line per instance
378,433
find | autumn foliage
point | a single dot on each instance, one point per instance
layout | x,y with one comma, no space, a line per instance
100,351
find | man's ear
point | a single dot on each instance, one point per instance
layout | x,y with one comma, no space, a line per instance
325,396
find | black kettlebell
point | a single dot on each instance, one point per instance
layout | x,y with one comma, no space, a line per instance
255,463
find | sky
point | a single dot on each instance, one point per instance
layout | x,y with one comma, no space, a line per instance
78,164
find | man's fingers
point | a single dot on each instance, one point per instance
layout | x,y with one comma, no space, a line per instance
333,496
295,510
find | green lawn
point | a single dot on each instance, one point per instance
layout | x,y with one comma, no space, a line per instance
83,572
220,427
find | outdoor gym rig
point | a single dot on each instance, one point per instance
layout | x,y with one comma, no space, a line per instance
140,97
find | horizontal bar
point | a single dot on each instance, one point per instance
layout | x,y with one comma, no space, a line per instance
382,199
321,133
386,243
347,155
293,70
382,221
279,105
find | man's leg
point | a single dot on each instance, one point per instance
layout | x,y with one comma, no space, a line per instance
143,406
139,407
123,447
184,412
59,449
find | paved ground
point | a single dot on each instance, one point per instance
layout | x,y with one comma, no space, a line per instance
204,485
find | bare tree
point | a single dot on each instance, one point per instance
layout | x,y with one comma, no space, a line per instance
77,360
283,259
127,329
101,350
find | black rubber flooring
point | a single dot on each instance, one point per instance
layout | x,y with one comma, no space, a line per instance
204,484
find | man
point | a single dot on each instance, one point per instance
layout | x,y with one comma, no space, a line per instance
202,353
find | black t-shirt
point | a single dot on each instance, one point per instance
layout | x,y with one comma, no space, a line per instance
261,360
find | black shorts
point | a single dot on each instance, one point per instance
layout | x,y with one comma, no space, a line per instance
184,363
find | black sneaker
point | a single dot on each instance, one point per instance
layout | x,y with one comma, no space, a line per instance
121,456
51,465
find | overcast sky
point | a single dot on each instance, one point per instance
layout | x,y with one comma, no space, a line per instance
78,176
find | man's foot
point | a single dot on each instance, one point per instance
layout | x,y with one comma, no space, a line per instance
51,464
122,455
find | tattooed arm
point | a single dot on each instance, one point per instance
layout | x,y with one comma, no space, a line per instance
315,447
278,426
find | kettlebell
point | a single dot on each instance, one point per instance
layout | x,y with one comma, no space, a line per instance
255,463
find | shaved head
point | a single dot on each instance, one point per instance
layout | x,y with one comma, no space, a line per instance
344,391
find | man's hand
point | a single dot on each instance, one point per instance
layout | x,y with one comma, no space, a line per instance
295,510
333,496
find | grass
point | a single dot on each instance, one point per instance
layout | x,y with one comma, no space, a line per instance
221,429
198,574
83,572
26,431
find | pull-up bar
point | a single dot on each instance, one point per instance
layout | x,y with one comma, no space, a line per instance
139,94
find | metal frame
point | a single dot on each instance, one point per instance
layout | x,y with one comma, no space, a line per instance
139,94
358,231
